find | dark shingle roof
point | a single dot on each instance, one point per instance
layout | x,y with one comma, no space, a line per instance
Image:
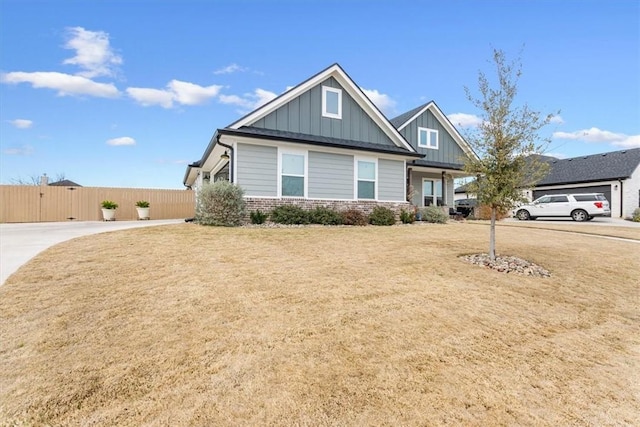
65,183
316,140
402,118
439,165
592,168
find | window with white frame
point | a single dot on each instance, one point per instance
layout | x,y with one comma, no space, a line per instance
366,179
292,167
428,138
331,102
432,192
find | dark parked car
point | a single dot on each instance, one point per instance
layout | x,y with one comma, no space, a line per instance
465,206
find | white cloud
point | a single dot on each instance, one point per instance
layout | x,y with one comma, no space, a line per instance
191,94
381,100
21,123
557,120
93,52
123,140
148,96
233,68
65,84
595,135
177,91
465,120
249,101
24,150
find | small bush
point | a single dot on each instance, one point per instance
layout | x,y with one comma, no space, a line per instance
354,217
382,216
142,204
434,214
325,216
258,217
221,203
407,217
636,215
289,214
484,212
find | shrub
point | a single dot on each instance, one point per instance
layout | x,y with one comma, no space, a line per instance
289,214
108,204
636,215
484,212
142,204
325,216
407,217
354,217
434,214
221,203
382,216
258,217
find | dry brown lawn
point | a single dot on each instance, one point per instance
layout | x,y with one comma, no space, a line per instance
189,325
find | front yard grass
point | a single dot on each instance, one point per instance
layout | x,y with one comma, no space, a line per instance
190,325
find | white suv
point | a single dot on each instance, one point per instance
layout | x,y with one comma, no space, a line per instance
580,207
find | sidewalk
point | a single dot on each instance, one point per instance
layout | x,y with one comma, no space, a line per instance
21,242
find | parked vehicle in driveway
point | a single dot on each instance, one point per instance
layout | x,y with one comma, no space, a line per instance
579,207
465,206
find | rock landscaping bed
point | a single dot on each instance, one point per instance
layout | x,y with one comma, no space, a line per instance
508,264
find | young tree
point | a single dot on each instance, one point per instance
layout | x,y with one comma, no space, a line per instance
506,141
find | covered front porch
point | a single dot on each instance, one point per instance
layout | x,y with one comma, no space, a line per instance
432,186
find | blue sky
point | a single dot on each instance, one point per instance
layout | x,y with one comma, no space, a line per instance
127,93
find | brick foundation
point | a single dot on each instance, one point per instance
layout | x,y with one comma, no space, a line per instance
266,205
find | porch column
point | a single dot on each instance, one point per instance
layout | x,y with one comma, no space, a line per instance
444,189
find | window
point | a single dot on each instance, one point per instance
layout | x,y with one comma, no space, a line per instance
559,199
292,174
331,102
366,179
432,192
546,199
428,138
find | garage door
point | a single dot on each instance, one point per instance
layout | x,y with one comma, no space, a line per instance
605,189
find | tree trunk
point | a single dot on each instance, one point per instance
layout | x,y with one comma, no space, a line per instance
492,235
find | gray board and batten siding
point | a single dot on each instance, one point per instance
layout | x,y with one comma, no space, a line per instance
330,176
391,180
303,114
448,149
257,169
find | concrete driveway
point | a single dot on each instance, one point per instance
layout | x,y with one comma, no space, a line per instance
21,242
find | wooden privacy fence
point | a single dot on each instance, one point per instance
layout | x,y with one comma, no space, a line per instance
43,203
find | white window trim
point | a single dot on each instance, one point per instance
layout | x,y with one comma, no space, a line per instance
434,197
304,153
429,131
325,113
373,160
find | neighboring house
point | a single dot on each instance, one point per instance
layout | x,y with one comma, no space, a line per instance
324,142
65,183
615,174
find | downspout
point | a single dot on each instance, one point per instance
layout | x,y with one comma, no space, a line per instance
621,198
230,157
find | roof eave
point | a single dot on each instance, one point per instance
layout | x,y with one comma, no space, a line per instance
238,132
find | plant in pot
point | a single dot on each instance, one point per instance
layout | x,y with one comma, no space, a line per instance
109,210
142,206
